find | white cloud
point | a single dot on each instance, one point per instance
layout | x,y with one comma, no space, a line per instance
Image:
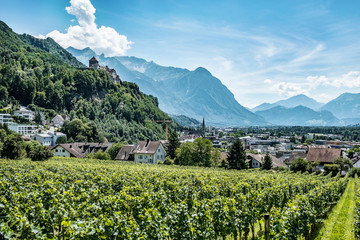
289,89
315,81
350,80
102,40
268,81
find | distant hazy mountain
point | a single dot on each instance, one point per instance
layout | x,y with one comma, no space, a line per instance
186,121
297,100
347,105
298,116
195,94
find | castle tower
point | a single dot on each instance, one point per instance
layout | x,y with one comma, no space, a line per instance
93,62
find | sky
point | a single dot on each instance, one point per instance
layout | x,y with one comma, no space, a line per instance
263,51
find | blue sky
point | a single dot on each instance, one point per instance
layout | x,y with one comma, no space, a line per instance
263,51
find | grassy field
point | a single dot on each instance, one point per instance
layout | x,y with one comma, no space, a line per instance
339,224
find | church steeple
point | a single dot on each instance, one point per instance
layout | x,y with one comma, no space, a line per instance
203,127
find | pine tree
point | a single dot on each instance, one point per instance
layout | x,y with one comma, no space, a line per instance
237,156
174,143
267,165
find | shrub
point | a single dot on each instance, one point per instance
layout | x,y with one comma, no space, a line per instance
354,171
168,161
334,169
40,153
101,155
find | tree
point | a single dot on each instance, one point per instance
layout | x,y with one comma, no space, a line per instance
40,153
237,156
61,140
114,150
203,149
299,164
267,165
13,147
344,163
174,143
185,154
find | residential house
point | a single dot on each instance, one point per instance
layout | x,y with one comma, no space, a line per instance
294,156
26,113
126,153
47,138
44,139
149,152
79,149
23,129
6,118
323,155
257,160
59,120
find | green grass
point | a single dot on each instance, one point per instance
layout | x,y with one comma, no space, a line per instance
339,224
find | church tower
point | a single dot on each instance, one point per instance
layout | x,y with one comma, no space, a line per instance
203,128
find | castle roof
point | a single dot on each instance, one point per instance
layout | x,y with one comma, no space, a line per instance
93,59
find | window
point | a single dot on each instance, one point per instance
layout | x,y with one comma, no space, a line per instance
140,157
56,150
159,150
63,150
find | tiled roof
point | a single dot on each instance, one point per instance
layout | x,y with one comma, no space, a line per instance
323,155
80,149
146,147
260,158
125,153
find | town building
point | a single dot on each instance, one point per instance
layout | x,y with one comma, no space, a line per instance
323,155
43,138
125,153
149,152
79,149
23,129
6,118
26,113
257,160
59,120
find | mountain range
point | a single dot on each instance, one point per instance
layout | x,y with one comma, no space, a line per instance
299,116
303,110
294,101
196,94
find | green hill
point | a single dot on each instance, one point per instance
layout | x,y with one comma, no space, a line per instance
40,74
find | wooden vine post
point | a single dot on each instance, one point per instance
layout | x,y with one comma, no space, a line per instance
267,226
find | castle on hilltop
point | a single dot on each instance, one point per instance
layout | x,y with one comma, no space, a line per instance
94,63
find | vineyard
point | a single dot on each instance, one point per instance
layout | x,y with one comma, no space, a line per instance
73,199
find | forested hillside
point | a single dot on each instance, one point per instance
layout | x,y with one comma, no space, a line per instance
42,75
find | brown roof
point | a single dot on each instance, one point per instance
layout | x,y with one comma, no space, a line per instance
294,156
146,147
323,155
125,153
260,158
93,59
72,149
80,149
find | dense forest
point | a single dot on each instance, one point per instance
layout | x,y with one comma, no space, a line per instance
40,74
